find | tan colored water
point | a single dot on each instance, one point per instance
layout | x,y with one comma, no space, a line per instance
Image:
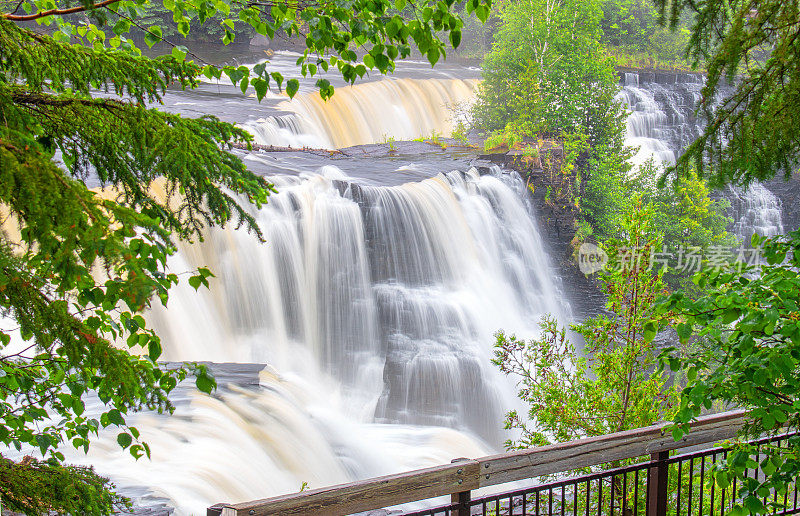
372,112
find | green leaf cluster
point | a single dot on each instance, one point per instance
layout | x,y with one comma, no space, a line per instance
740,346
35,487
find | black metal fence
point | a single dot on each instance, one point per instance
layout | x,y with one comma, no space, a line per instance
680,485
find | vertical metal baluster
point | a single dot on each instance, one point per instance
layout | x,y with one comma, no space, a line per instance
691,476
550,503
647,491
702,483
786,499
713,484
537,503
636,492
588,498
611,495
775,491
525,505
680,481
599,496
624,492
722,505
786,492
575,499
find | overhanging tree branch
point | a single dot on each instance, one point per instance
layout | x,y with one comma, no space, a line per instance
58,12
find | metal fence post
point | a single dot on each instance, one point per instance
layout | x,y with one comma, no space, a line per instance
657,484
462,499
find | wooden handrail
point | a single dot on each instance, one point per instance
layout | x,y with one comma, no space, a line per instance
421,484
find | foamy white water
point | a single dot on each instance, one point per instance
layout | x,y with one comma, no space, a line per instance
373,309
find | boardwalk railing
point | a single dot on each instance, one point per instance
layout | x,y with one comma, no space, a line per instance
646,489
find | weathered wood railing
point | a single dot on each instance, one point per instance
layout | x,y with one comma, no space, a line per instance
463,476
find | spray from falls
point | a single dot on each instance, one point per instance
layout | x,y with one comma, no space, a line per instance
371,112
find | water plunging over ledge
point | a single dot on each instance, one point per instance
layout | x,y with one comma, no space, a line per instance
373,309
371,112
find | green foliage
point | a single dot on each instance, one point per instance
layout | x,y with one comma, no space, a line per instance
503,139
690,220
669,45
613,386
332,32
741,347
628,23
609,190
740,340
214,25
460,133
684,214
751,133
547,71
35,487
79,266
635,36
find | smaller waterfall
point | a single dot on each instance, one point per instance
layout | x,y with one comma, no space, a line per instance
756,210
645,125
290,130
369,112
661,122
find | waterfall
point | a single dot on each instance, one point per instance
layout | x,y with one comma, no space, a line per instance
662,124
756,210
373,308
370,112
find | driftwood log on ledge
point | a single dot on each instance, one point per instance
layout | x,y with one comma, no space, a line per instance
274,148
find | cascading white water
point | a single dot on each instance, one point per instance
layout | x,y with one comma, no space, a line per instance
369,112
289,130
373,308
662,124
645,124
756,210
